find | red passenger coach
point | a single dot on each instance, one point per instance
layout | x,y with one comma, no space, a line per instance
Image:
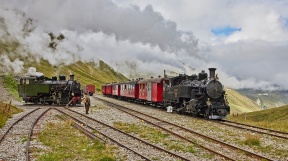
151,90
104,89
142,89
129,89
157,90
116,89
107,89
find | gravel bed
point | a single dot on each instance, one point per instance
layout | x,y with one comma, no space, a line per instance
110,115
269,146
13,145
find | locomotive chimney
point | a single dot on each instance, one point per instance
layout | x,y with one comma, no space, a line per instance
212,73
71,77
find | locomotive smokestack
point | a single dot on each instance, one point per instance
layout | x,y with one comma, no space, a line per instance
212,73
71,77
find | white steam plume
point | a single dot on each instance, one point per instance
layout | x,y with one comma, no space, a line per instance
145,26
33,72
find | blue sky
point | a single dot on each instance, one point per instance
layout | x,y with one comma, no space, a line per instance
224,31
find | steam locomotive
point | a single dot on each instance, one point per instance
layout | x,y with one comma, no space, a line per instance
40,89
197,95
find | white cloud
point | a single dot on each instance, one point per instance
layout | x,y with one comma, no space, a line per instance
142,38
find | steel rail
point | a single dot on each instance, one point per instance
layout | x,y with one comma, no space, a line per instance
276,131
136,138
120,107
31,132
17,121
113,140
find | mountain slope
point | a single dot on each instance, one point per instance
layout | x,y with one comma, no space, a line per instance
275,118
240,103
267,99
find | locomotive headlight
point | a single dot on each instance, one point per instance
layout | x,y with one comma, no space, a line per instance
214,89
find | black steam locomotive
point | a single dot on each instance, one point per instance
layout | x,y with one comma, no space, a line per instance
197,95
40,89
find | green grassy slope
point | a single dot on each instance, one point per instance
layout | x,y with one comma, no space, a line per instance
275,118
240,103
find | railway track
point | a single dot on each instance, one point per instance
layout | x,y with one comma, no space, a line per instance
255,129
138,146
231,152
30,118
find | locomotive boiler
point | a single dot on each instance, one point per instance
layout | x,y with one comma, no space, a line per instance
40,89
197,95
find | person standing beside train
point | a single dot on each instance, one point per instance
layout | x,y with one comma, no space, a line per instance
87,102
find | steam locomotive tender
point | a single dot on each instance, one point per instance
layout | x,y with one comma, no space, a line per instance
40,89
197,95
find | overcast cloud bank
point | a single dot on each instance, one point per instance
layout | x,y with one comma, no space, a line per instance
143,38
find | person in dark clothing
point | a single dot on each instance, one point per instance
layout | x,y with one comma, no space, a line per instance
86,101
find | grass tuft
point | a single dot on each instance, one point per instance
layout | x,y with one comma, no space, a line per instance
252,140
7,111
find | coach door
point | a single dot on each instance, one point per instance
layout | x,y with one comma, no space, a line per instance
149,91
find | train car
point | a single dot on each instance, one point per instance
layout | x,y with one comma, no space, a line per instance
107,89
103,89
116,89
151,90
90,89
129,90
40,89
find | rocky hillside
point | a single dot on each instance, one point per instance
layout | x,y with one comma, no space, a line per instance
266,99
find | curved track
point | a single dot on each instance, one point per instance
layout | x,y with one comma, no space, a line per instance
32,118
190,135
